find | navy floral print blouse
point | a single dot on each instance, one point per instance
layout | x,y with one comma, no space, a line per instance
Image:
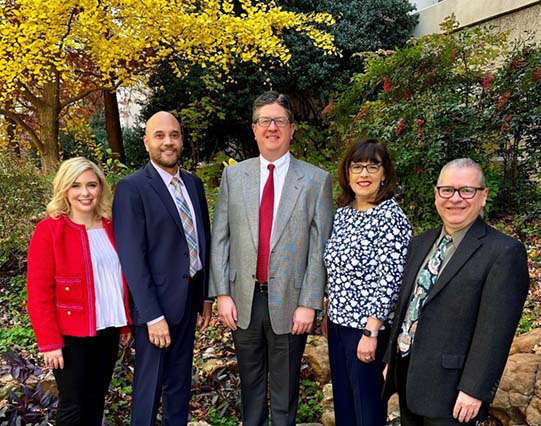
365,258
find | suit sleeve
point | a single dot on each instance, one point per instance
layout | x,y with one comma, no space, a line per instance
41,290
502,300
131,240
220,240
314,280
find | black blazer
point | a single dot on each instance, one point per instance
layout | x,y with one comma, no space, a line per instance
152,246
467,323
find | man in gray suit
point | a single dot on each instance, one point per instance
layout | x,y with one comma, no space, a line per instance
271,220
461,298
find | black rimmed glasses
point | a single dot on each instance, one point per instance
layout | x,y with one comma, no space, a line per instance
465,192
357,169
266,121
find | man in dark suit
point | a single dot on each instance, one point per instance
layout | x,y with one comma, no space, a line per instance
462,295
162,232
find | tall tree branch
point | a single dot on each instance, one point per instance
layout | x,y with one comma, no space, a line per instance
20,121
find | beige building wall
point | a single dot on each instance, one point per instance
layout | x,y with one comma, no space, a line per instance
519,16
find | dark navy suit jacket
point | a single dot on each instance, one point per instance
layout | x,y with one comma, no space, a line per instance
152,246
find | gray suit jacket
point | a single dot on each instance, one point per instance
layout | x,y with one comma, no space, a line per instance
301,228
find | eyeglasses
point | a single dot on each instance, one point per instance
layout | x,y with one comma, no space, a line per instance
266,121
465,192
357,169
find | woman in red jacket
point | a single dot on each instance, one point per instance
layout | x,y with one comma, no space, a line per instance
77,297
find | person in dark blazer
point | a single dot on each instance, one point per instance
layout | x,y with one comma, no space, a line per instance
162,232
461,299
272,218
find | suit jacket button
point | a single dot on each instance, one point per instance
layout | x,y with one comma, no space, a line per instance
68,313
67,289
185,277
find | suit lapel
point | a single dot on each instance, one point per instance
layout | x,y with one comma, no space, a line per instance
293,185
467,248
163,193
250,189
418,251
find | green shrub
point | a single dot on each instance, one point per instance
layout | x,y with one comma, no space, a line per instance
23,196
445,96
15,332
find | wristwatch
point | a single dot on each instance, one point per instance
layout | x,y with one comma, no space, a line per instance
370,333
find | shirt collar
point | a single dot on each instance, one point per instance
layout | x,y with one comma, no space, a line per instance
457,236
279,164
167,177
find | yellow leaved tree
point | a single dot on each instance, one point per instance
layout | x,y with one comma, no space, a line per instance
55,53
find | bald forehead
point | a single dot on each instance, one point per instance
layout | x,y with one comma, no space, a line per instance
161,121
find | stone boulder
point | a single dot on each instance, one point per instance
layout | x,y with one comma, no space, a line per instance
327,404
527,342
518,399
316,355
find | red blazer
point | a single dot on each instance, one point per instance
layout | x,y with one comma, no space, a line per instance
60,282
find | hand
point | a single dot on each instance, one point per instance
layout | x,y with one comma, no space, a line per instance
303,320
227,311
466,407
54,359
158,334
125,338
324,326
204,319
366,349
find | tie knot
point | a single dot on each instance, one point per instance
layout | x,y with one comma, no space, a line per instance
271,167
445,240
175,181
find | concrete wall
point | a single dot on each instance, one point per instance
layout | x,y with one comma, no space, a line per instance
518,15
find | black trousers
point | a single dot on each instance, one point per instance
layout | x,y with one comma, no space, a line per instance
270,360
84,381
407,417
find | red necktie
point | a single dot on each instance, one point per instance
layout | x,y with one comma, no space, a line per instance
266,210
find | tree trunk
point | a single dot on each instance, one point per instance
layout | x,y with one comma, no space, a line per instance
112,126
13,143
48,112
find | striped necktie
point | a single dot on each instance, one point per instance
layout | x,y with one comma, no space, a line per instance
187,224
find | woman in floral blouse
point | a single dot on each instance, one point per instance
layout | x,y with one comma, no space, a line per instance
364,258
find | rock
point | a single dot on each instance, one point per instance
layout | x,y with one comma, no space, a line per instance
327,416
514,398
393,408
526,342
211,365
316,355
48,384
7,382
533,412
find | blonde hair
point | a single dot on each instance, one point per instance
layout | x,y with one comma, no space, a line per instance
67,174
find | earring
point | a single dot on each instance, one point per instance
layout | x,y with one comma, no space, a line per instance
382,183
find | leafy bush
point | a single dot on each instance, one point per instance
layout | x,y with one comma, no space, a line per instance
27,402
15,331
436,99
23,196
